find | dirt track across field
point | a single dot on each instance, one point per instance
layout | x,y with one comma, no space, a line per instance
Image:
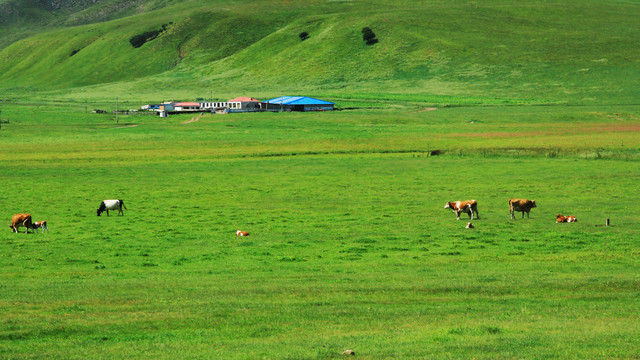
193,119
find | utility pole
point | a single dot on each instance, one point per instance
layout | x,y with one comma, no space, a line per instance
117,119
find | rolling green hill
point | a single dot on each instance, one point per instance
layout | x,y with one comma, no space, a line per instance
350,246
580,52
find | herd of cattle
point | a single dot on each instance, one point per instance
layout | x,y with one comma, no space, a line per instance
25,220
469,207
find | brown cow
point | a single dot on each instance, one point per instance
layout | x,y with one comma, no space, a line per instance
469,207
242,233
565,219
522,205
41,225
19,220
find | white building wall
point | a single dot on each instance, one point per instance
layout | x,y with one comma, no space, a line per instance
213,105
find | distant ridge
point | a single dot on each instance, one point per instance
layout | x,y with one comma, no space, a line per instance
525,52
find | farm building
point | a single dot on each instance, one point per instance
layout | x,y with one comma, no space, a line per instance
165,107
297,103
244,104
210,106
216,105
186,106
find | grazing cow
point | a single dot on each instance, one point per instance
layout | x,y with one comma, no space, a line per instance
522,205
242,233
469,226
41,225
469,207
19,220
107,205
565,219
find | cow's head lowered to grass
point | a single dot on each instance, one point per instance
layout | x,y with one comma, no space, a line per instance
102,208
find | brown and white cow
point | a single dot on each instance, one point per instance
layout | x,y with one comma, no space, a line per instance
41,225
565,219
522,205
468,206
19,220
242,233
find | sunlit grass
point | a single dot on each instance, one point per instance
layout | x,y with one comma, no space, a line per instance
350,247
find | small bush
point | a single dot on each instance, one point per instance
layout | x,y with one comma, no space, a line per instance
140,39
303,36
368,36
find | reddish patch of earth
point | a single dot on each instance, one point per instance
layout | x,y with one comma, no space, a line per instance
575,129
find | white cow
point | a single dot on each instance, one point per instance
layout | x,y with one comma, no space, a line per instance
107,205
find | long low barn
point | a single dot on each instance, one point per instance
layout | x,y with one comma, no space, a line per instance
186,106
297,103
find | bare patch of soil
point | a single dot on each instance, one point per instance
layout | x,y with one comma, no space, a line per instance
427,109
502,134
569,129
126,126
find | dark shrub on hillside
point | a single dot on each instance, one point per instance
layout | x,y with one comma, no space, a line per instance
303,36
140,39
368,36
73,52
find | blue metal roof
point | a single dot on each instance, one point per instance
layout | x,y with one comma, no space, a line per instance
297,100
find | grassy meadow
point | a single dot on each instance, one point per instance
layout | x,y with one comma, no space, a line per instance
350,247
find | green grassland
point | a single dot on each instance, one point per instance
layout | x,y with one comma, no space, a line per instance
350,247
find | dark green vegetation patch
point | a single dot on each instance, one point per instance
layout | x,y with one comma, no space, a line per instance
368,36
140,39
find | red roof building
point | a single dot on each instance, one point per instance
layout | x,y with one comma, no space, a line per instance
244,99
244,104
185,104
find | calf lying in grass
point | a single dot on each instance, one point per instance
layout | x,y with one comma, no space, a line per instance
567,219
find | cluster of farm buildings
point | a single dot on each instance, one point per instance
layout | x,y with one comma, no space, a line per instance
243,104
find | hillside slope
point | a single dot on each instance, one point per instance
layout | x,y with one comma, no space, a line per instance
536,51
20,19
